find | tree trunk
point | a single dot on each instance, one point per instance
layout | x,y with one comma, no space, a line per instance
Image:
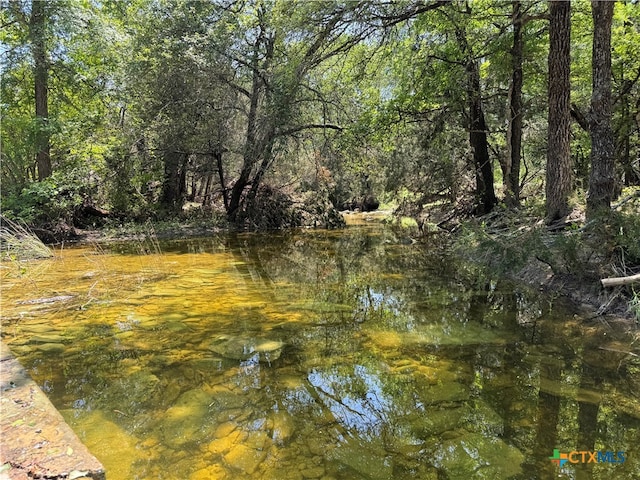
217,155
558,176
251,154
601,179
206,196
485,193
37,30
511,174
267,159
173,180
182,177
252,151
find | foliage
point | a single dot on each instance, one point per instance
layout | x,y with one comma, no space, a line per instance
626,232
158,104
59,197
81,43
634,305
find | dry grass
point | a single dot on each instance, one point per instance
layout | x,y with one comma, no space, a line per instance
17,242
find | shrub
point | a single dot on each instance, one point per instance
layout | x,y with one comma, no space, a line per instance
56,198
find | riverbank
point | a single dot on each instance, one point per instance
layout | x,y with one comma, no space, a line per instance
36,441
567,262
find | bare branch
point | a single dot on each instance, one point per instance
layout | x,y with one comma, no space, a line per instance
580,117
309,126
626,87
415,10
616,281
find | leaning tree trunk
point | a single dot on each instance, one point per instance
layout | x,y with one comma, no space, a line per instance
253,139
485,192
37,28
558,177
601,179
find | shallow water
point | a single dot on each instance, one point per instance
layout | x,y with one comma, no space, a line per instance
351,354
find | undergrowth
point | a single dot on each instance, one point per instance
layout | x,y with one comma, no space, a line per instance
634,305
507,242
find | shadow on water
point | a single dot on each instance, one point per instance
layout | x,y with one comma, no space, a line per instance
320,355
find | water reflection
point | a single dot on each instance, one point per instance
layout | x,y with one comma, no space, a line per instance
327,355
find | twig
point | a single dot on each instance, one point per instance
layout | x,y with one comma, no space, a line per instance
616,281
619,351
626,199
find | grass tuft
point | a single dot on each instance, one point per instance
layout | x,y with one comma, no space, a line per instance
17,242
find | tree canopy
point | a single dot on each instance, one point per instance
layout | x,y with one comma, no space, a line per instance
138,108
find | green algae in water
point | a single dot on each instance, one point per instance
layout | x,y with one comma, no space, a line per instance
383,363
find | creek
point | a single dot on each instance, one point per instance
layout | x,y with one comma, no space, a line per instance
350,354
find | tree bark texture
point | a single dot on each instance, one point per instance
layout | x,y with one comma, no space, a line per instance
37,30
511,170
558,176
601,178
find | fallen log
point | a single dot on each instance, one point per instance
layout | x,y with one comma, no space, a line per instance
615,281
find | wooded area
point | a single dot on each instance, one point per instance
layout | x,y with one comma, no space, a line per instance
276,112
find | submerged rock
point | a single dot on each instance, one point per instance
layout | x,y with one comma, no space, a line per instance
437,420
483,419
367,458
212,472
283,428
39,301
245,459
244,348
133,392
51,347
188,419
474,455
48,338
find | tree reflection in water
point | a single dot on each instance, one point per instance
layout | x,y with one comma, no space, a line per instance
391,361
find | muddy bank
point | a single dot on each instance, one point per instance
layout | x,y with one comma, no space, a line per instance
588,298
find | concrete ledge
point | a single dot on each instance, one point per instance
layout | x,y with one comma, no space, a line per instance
35,441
